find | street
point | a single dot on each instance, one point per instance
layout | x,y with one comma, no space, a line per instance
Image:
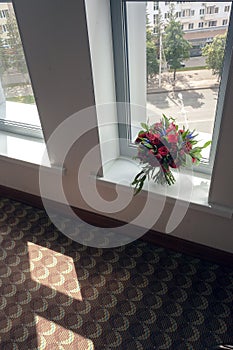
193,108
195,61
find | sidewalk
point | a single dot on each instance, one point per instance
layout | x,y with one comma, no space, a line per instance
185,80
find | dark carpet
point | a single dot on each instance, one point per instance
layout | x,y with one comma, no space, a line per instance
58,294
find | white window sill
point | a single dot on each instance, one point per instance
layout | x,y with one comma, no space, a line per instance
123,170
23,148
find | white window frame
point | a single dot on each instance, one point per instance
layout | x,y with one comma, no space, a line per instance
123,85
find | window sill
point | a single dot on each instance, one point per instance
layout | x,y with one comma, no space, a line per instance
122,171
23,148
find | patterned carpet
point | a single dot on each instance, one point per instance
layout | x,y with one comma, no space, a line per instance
57,294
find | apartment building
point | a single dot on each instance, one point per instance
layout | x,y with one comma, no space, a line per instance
4,14
201,21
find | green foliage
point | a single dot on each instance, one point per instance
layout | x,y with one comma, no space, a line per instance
17,60
29,99
214,54
4,57
151,59
176,48
152,63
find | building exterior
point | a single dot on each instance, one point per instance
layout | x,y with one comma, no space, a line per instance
4,14
201,21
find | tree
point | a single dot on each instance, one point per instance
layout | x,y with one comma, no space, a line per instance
17,58
176,48
4,57
214,54
151,57
151,53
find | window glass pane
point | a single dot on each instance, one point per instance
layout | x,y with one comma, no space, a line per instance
18,111
182,59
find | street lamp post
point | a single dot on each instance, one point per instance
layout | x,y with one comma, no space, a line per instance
160,56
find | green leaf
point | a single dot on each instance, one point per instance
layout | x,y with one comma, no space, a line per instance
141,183
147,145
144,126
206,144
136,177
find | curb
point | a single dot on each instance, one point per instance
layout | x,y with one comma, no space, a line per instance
159,91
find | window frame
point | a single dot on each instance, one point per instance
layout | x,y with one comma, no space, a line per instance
127,148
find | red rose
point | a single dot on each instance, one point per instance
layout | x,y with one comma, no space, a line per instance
173,165
163,151
155,139
140,137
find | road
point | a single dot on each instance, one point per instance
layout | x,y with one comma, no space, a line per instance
195,62
193,108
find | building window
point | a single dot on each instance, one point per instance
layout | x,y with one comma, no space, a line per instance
192,12
210,10
191,25
178,14
18,111
202,11
156,5
186,13
200,24
212,23
224,22
216,10
226,8
182,26
4,13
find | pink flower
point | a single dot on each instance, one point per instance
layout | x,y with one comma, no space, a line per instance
173,138
182,152
157,125
171,127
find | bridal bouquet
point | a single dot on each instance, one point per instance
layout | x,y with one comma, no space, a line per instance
163,146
